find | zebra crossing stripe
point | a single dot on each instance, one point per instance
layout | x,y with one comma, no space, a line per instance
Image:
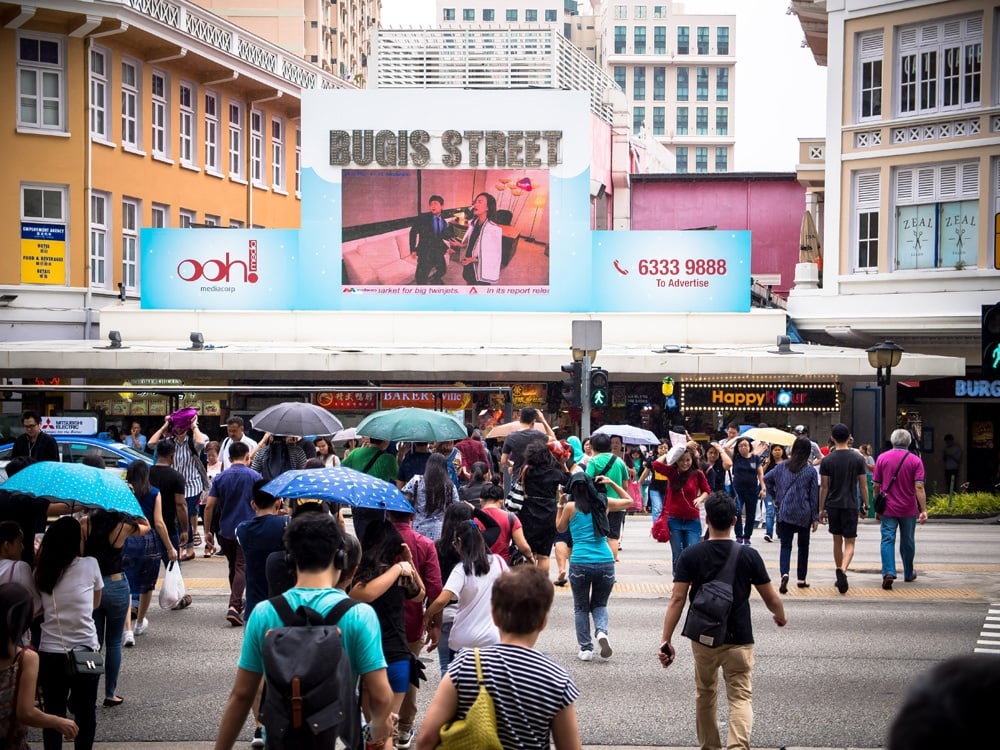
989,636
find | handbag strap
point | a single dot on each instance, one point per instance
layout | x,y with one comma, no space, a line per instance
886,488
479,670
728,573
55,611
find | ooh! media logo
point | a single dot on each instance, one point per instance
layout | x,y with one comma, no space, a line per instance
227,269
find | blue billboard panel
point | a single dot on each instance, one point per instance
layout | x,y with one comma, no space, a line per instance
671,271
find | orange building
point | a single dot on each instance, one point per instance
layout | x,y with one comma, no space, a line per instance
130,115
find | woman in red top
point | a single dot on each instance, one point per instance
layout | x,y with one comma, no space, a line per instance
687,489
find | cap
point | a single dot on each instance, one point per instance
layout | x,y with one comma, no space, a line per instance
800,429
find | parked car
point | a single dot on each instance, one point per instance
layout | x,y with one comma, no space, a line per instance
74,448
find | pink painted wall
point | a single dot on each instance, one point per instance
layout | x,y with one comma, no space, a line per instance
770,206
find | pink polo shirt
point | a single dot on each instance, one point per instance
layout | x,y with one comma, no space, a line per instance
901,491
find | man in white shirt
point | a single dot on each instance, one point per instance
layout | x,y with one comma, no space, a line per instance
234,431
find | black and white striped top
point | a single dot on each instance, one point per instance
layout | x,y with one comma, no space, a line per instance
527,687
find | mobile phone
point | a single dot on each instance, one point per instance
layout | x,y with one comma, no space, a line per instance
667,650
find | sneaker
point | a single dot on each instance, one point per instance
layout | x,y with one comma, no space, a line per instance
783,588
234,618
747,541
141,627
128,640
585,655
605,644
841,581
404,739
767,538
258,737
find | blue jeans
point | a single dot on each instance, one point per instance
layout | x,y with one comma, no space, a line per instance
444,651
786,533
591,584
655,503
769,515
746,507
109,617
907,545
683,533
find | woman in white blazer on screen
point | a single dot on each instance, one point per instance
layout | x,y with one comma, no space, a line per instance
482,248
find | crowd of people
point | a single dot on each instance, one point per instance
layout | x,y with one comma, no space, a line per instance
467,574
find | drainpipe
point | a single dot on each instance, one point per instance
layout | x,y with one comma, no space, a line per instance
265,140
88,295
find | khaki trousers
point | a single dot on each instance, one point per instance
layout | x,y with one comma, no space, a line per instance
736,663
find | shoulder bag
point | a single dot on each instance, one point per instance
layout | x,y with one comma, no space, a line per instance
478,730
83,661
515,495
516,556
708,614
881,499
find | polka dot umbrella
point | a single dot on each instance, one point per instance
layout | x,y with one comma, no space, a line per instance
340,485
73,484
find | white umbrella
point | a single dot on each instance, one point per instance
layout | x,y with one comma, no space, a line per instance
629,434
342,436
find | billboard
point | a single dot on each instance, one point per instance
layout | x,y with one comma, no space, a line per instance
372,161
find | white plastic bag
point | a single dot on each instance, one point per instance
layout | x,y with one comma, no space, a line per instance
172,590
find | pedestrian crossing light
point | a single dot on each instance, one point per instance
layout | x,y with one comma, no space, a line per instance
598,387
571,385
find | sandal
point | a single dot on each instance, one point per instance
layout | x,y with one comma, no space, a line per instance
561,580
183,603
187,554
209,550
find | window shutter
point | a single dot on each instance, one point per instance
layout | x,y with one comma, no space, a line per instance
870,44
904,185
869,190
974,26
952,31
970,179
908,39
949,181
929,34
925,183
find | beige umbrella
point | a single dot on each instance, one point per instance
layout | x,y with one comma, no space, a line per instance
809,249
503,430
770,435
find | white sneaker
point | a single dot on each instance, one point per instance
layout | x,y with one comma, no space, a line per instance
142,626
585,655
128,639
605,644
404,740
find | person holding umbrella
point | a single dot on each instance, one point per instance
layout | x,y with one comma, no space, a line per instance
372,459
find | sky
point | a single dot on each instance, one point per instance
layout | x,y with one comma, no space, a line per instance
781,89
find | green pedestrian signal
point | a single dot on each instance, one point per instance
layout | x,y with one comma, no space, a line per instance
991,341
598,387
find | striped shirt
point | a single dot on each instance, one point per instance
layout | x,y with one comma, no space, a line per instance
527,687
184,463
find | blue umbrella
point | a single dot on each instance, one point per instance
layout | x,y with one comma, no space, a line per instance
340,485
74,484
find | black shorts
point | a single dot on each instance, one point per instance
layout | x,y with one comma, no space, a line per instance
843,521
616,520
540,539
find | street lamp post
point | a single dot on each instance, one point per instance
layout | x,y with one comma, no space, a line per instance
883,357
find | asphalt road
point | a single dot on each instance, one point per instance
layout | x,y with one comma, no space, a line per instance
831,679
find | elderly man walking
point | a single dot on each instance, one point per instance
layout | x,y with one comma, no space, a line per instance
899,473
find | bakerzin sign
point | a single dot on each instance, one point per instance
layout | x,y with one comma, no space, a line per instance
759,397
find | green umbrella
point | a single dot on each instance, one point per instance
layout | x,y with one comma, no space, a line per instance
410,425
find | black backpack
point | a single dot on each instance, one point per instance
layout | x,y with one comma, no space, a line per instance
708,614
310,701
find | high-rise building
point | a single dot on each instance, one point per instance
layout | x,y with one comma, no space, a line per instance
334,34
678,73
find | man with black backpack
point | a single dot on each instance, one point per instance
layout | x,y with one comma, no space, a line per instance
311,644
719,574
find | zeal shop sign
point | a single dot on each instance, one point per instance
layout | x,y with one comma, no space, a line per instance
759,397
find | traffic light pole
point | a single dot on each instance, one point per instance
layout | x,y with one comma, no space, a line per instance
585,397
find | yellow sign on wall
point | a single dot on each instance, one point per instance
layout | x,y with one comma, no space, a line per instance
43,253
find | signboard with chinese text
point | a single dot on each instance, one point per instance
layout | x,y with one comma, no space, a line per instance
43,253
347,401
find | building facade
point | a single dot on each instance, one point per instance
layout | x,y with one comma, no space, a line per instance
909,192
678,74
129,118
336,35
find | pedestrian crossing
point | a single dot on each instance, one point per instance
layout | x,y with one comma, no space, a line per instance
989,637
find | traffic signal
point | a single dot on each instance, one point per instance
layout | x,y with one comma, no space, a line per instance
598,387
991,340
571,385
